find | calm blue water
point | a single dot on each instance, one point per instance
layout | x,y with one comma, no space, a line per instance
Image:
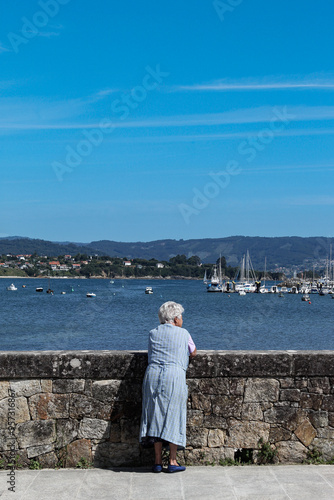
121,315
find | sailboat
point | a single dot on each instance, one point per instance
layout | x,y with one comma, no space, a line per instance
49,289
215,284
205,279
247,275
263,288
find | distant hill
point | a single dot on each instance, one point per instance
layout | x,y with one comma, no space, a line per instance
279,251
18,245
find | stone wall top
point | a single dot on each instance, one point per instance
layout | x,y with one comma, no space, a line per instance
101,365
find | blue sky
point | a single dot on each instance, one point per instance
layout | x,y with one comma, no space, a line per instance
149,120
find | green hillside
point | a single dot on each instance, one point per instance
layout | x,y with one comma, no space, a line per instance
279,251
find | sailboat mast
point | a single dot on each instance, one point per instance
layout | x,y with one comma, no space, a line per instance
220,269
265,270
247,266
330,262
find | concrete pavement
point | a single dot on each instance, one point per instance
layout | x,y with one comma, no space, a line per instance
294,482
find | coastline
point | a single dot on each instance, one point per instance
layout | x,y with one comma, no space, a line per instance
102,278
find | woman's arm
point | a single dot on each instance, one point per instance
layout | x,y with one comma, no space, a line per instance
193,354
191,347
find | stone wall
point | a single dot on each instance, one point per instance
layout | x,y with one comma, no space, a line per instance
72,406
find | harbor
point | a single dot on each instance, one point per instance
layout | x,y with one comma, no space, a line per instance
121,314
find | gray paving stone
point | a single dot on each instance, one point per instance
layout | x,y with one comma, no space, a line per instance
300,482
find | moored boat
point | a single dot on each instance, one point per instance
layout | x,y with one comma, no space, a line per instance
91,295
148,290
11,287
247,278
215,284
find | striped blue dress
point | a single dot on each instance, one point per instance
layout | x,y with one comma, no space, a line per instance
165,393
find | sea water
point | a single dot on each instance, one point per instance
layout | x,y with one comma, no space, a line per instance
121,315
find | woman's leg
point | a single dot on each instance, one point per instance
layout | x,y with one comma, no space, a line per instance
172,454
158,452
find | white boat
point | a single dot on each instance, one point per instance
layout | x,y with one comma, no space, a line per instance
148,290
11,287
215,284
39,289
63,293
263,288
91,295
247,276
305,297
242,292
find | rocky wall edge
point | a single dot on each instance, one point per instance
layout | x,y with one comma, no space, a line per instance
119,365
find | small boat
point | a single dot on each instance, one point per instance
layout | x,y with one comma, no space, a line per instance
305,297
215,284
112,282
62,293
149,290
39,289
242,292
11,287
91,295
49,289
24,286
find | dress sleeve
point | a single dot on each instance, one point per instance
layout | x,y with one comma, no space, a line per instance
191,345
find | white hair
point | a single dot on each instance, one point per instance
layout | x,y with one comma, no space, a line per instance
169,311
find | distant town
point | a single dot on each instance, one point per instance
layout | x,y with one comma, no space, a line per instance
94,266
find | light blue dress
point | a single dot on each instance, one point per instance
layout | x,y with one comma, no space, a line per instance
165,393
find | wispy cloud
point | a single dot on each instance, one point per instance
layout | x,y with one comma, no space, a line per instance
57,28
316,200
3,49
272,83
25,119
165,139
290,168
48,34
106,92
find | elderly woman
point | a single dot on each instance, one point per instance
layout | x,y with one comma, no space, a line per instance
164,387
